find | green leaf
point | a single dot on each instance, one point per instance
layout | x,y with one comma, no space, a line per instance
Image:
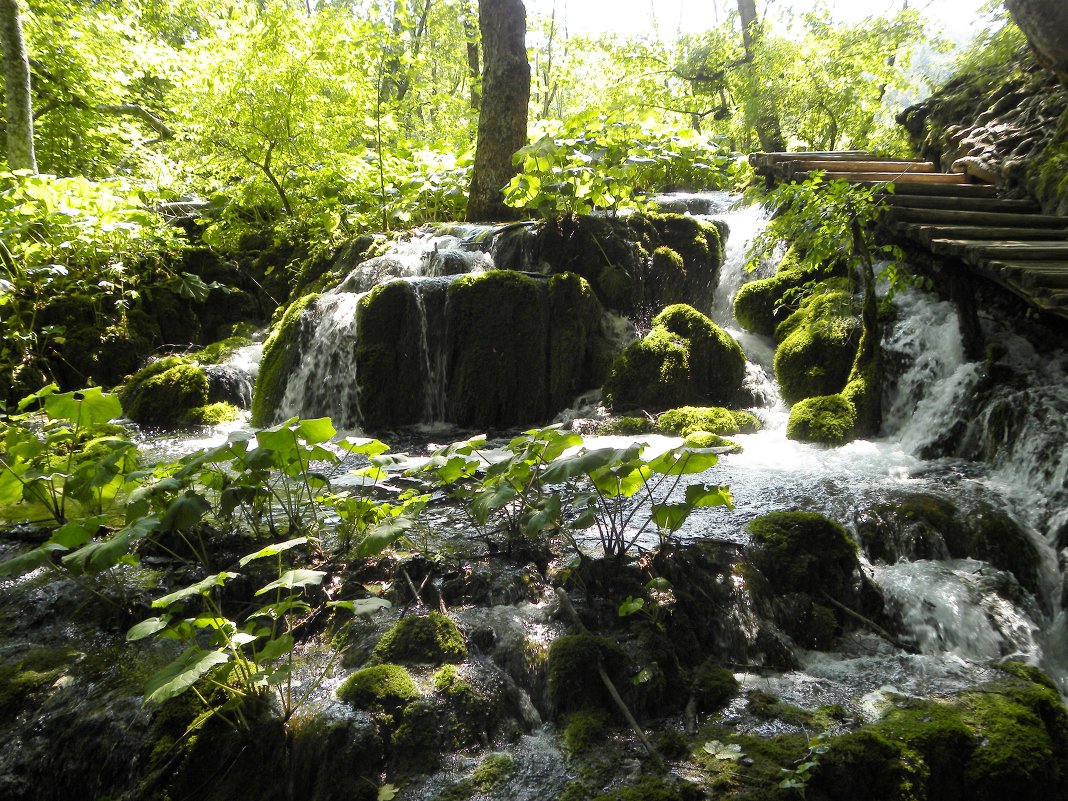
275,648
272,550
146,628
85,407
490,500
709,495
294,578
630,606
364,606
368,447
316,431
75,533
182,673
545,515
387,792
382,536
101,555
684,461
185,511
202,587
43,392
670,516
29,561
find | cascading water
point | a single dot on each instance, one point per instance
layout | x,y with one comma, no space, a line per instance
951,434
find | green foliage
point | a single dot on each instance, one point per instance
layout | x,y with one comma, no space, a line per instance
997,43
595,161
382,687
433,639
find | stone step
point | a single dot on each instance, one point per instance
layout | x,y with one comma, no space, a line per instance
978,250
892,177
923,234
885,165
961,203
934,216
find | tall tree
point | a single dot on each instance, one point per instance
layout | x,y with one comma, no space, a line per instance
1045,24
20,155
766,117
502,119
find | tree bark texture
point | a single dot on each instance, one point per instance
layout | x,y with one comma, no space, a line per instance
502,119
20,155
1045,24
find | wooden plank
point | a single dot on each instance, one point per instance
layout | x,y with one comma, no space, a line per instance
844,165
1032,274
923,233
961,203
935,216
823,155
938,190
1050,250
893,177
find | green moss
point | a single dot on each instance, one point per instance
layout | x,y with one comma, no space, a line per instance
867,765
700,246
817,346
713,687
827,420
760,305
497,324
386,687
655,788
1035,675
802,552
213,414
666,278
703,439
684,359
389,362
420,738
672,744
31,673
280,353
488,777
221,351
165,392
768,706
626,426
579,352
573,681
433,639
687,420
584,730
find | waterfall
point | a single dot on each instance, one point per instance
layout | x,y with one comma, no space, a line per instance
432,299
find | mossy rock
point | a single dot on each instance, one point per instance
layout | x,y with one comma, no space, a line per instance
802,552
685,359
817,346
497,324
389,360
626,426
825,420
165,393
666,278
486,780
383,687
703,439
759,306
31,673
579,353
573,681
280,354
213,414
687,420
700,246
584,730
867,765
656,788
220,351
432,640
713,687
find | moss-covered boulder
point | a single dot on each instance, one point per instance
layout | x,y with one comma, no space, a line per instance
497,324
825,420
280,354
579,354
687,420
667,277
760,305
390,368
817,346
573,681
798,564
387,688
685,359
166,393
713,687
433,640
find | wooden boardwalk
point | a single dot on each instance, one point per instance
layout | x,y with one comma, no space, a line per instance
1007,241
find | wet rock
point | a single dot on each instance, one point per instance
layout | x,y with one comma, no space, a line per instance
434,639
166,393
825,420
280,354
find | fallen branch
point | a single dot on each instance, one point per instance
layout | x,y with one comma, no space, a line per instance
871,624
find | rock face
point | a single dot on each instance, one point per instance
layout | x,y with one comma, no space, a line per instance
1004,127
685,359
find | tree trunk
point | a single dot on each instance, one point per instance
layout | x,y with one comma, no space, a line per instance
20,155
747,14
1045,24
474,70
766,123
502,119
